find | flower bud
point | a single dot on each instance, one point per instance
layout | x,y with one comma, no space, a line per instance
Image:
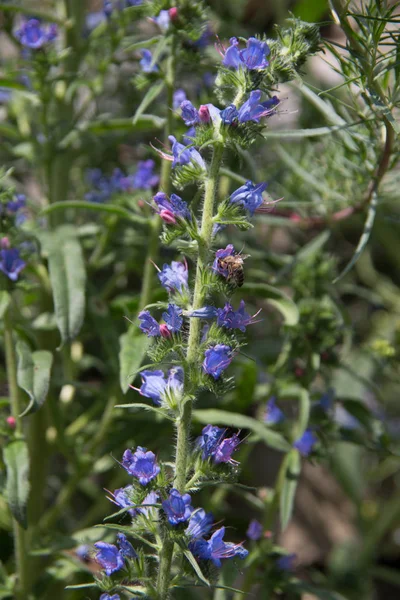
164,331
299,372
173,13
11,422
4,243
168,217
140,203
204,114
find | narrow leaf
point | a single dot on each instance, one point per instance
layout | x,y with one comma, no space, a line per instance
150,96
289,487
222,417
196,567
133,348
93,206
16,459
33,375
159,411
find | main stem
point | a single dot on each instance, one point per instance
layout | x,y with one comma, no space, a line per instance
20,535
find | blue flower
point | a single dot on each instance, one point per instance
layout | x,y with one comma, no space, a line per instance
34,35
208,441
83,552
217,359
141,464
108,597
177,507
174,205
149,500
286,562
108,8
108,557
183,155
155,385
200,524
253,109
178,97
125,547
174,277
163,20
216,549
145,178
206,312
234,319
190,114
249,196
232,56
172,317
220,254
5,95
229,115
15,205
122,498
148,324
273,414
306,442
11,264
254,530
146,62
254,56
223,451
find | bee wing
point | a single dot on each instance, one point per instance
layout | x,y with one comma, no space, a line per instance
267,207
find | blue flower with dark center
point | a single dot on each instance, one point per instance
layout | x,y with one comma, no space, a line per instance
34,35
254,56
11,264
183,155
200,524
125,547
229,115
15,205
254,530
178,98
223,451
254,110
174,277
175,205
286,562
148,324
273,415
172,317
190,114
208,441
146,62
145,178
218,266
234,319
306,442
108,597
215,549
177,507
108,557
249,196
217,359
141,464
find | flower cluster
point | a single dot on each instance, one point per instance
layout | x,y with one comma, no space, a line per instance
103,187
34,35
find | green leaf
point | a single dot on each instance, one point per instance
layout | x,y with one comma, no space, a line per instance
5,299
16,459
133,348
222,417
195,566
293,467
144,123
80,586
33,375
152,93
159,411
93,206
277,298
68,278
310,10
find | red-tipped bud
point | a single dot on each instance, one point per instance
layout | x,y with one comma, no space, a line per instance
173,13
140,203
164,331
11,422
294,217
168,217
4,243
268,535
204,114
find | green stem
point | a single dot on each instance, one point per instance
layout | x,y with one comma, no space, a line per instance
20,535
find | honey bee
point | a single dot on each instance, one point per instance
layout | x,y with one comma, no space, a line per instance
234,266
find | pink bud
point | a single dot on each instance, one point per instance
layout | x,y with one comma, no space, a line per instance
164,331
4,243
294,217
268,535
173,13
168,217
299,372
140,203
204,114
11,422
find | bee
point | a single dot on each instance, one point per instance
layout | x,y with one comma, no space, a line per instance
234,267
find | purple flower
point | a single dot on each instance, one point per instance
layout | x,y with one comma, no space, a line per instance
249,196
145,178
149,500
108,557
200,524
306,442
15,205
183,155
178,98
216,549
172,317
286,562
146,62
206,312
223,451
141,464
155,385
174,205
273,414
229,115
163,20
121,497
148,324
11,264
177,507
254,530
232,56
34,35
174,277
108,8
5,95
217,359
234,319
108,597
253,109
209,439
254,56
102,189
190,114
125,547
83,552
220,254
189,136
